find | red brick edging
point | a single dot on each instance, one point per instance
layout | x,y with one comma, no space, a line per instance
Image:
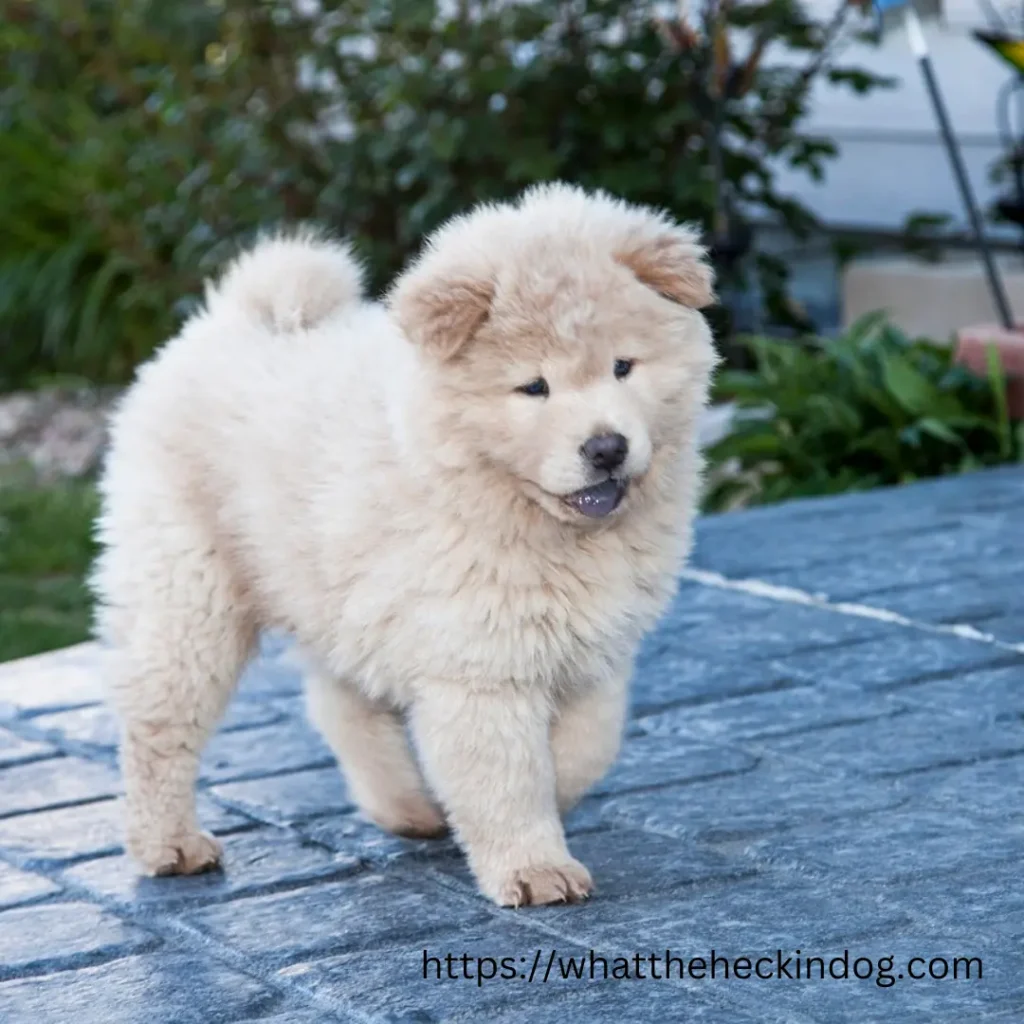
972,343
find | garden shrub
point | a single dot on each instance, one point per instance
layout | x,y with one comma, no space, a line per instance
870,408
142,141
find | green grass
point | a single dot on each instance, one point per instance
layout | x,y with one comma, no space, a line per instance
46,548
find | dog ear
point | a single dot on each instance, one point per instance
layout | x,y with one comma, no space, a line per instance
670,260
442,314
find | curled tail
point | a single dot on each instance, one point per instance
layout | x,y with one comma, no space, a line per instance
290,282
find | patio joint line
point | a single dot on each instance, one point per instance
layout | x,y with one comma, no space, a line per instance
793,595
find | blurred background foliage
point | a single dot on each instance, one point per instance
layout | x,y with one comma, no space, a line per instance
46,547
142,141
867,409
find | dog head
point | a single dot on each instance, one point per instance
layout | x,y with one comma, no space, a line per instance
565,330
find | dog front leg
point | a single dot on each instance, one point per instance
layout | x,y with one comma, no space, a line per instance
487,755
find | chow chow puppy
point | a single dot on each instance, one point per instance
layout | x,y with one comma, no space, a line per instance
467,503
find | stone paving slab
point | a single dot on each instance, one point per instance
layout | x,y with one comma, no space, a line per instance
825,754
65,835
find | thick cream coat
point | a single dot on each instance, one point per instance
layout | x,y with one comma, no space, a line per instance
299,457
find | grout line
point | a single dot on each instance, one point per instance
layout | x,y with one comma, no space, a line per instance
792,595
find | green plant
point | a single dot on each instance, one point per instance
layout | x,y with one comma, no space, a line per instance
141,141
46,547
131,165
872,407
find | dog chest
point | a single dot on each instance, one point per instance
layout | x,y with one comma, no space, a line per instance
490,622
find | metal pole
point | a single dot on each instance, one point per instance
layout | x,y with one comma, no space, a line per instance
920,50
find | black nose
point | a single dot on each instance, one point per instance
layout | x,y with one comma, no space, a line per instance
606,451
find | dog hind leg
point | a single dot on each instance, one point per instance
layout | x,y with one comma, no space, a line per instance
373,751
179,644
586,736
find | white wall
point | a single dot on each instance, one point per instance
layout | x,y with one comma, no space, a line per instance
892,161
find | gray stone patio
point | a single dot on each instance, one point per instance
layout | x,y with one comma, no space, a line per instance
826,755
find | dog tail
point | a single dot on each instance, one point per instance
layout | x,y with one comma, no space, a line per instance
290,282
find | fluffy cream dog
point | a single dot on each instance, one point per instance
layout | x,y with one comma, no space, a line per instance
468,504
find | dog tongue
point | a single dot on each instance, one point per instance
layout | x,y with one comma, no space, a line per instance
598,501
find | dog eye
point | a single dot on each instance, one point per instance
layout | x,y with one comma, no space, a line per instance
623,368
536,388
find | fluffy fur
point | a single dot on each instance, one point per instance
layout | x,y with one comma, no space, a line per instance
369,477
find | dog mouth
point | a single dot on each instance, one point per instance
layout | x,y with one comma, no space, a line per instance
598,500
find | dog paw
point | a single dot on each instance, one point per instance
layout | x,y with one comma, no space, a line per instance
188,854
412,818
569,882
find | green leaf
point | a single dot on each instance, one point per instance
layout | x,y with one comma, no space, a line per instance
940,431
997,381
865,326
750,446
914,392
